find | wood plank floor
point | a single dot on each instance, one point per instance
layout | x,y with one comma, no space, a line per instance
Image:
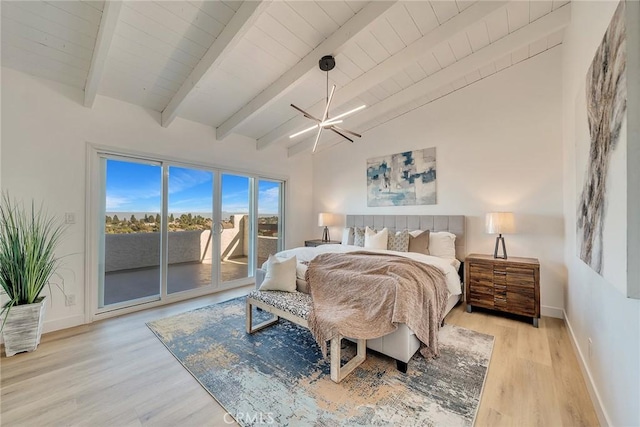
117,373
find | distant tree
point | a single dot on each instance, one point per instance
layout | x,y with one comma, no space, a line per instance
146,218
108,220
133,219
116,219
157,218
171,218
184,220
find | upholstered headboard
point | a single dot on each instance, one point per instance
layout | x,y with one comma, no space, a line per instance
452,223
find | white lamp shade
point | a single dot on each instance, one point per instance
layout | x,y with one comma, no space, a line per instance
325,219
500,223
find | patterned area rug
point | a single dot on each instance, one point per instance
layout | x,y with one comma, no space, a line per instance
277,376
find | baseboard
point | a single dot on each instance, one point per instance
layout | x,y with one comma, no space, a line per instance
603,417
64,323
548,311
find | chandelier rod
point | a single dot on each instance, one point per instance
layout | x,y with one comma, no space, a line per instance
327,72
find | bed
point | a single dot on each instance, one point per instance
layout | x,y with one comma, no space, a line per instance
401,344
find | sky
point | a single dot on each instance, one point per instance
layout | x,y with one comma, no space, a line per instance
137,187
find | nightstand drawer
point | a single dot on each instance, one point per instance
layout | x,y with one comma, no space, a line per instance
481,282
500,290
481,300
482,273
500,303
500,279
480,288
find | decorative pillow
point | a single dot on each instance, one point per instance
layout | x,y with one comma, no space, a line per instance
442,244
347,236
358,236
399,241
281,274
301,274
376,240
419,243
301,270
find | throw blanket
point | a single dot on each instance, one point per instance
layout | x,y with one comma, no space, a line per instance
365,295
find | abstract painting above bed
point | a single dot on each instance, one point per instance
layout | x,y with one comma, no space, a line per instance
407,178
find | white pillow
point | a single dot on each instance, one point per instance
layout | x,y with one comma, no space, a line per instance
281,274
373,240
301,271
442,244
348,236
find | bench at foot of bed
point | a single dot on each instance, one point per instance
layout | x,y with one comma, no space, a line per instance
295,307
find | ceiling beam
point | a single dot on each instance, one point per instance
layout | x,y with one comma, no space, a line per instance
392,65
110,14
538,29
332,45
240,23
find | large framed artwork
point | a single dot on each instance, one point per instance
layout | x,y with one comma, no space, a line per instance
401,179
601,158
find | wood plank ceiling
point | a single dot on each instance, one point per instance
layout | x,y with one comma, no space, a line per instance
237,66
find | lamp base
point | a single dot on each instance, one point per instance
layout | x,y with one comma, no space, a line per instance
325,234
504,249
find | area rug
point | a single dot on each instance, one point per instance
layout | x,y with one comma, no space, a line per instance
277,376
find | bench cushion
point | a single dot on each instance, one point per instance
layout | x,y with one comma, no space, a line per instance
296,303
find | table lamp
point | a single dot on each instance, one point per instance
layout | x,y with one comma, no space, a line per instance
325,220
500,223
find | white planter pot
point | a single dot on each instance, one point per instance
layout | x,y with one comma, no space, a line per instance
23,327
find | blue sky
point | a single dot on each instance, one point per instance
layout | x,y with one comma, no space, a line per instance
136,187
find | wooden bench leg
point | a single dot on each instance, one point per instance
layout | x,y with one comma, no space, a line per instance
249,319
338,373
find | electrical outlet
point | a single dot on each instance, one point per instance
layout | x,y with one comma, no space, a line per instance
70,300
69,218
590,348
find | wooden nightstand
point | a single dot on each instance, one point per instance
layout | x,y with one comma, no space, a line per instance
509,285
319,242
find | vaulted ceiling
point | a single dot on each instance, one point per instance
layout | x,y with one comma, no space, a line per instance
237,66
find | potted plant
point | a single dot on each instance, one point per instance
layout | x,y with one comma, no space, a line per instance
28,241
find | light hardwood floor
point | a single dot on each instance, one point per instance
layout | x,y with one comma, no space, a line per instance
117,373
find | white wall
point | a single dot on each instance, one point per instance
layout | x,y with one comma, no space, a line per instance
594,308
499,147
45,130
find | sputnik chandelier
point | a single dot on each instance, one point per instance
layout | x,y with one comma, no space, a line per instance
327,63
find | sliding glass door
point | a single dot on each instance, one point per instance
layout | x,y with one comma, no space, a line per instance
270,219
235,235
130,225
189,229
167,230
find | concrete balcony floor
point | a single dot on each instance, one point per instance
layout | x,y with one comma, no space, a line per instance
127,285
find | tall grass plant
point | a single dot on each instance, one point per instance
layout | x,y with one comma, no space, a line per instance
28,242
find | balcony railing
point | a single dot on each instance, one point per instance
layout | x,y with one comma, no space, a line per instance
142,250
